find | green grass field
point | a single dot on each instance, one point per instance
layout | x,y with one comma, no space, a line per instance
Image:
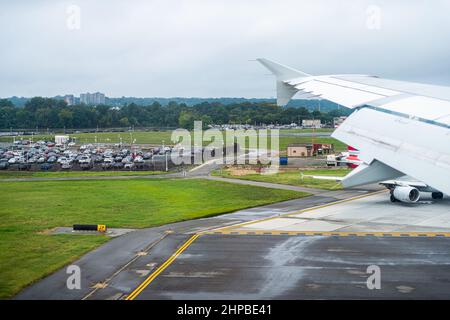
140,137
73,174
292,178
157,138
306,130
28,209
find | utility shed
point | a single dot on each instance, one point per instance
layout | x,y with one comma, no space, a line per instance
300,150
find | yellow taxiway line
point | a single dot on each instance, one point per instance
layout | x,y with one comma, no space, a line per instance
232,230
161,268
330,233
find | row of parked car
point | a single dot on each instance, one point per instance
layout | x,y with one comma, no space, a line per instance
47,155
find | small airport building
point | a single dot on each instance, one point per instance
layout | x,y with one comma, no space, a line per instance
301,150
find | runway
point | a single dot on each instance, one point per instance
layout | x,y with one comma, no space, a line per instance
317,247
305,267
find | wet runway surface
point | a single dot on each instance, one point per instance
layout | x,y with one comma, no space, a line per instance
164,264
305,267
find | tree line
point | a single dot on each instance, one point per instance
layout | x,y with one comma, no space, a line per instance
54,113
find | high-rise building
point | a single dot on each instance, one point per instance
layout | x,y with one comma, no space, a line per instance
69,99
92,98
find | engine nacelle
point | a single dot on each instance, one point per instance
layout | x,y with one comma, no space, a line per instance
406,194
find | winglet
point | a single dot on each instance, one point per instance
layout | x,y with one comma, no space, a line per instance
282,72
285,92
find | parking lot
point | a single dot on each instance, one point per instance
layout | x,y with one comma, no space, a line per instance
49,156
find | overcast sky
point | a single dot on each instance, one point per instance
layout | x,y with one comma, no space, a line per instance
203,48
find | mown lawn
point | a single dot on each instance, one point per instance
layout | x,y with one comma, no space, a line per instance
29,209
157,138
73,174
292,177
139,137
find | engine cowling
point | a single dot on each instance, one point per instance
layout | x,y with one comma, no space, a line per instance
406,194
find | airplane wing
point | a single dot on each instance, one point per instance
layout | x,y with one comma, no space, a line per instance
402,128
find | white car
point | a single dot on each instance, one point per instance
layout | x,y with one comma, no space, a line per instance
129,165
66,165
85,160
12,160
138,159
61,160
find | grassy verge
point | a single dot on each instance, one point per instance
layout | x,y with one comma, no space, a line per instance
291,177
306,130
73,174
29,208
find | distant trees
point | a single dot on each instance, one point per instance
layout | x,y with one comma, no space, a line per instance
54,113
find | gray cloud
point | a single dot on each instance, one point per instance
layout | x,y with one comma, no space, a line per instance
202,48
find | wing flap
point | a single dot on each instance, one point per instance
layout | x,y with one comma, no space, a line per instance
365,174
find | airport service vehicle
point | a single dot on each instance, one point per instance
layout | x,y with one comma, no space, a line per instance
331,160
401,128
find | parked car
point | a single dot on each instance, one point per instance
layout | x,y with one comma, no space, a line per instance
62,159
107,163
118,165
4,165
23,166
147,156
129,165
46,166
66,165
138,159
51,159
128,159
84,159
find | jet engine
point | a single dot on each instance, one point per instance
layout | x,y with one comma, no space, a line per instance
406,194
